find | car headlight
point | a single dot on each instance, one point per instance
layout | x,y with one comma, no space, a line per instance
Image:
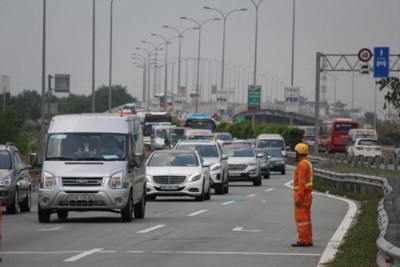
48,180
194,177
5,181
215,167
149,178
116,180
252,163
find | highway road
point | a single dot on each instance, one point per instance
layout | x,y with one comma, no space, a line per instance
250,226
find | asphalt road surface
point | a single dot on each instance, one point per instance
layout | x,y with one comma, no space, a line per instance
250,226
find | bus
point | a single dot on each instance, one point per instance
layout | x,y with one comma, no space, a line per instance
154,118
334,133
200,121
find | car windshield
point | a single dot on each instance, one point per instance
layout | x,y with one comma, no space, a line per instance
273,153
224,136
270,143
86,146
5,160
206,151
240,152
173,159
368,143
176,134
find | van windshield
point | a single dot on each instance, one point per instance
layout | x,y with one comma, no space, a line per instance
271,143
86,146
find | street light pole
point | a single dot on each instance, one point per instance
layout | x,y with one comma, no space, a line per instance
180,35
110,69
148,78
156,48
256,5
145,66
166,67
293,31
224,17
93,59
199,26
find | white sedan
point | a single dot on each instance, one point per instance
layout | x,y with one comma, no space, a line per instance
177,173
366,147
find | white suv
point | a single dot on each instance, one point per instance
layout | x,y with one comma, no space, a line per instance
243,163
212,154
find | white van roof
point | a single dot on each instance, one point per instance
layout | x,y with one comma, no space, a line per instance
269,136
96,122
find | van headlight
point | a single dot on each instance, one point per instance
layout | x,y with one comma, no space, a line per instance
194,177
48,180
116,180
5,181
215,167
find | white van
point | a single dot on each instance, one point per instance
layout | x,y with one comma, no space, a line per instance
271,141
93,162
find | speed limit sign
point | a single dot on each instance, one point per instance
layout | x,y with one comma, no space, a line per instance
364,55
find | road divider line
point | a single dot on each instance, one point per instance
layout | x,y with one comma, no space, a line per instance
228,202
252,195
83,254
228,253
151,229
241,229
197,212
269,190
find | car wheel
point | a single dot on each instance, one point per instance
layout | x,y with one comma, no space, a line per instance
13,208
140,208
226,187
267,175
207,196
127,212
257,181
201,197
283,171
43,215
62,214
219,189
26,205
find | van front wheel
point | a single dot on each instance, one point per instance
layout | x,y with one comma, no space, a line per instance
127,212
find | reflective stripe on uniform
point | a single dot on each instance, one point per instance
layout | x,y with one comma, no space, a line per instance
310,182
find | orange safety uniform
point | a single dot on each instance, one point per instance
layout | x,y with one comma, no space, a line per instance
303,186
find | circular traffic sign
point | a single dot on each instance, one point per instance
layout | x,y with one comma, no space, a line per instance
364,55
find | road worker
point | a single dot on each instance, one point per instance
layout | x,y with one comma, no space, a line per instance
303,186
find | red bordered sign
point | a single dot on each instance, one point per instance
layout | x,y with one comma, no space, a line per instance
364,55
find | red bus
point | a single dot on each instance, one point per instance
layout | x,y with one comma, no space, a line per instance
334,133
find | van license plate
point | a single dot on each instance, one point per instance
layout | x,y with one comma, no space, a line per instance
81,197
169,187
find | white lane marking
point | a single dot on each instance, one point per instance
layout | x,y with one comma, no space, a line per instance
151,229
228,202
228,253
197,212
337,238
83,254
333,244
58,228
269,190
252,195
241,229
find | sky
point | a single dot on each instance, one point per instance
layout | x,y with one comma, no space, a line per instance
326,26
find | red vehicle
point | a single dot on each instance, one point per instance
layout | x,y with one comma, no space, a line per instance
334,133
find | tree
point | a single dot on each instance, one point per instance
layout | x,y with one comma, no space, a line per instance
119,96
392,97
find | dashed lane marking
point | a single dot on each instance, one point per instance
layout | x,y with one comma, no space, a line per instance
197,212
151,229
84,254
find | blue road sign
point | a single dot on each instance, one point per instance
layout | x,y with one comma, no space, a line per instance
381,62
